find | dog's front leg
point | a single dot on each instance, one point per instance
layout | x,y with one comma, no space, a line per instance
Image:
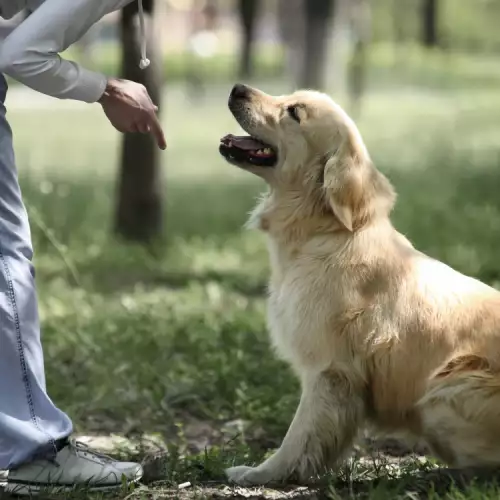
326,422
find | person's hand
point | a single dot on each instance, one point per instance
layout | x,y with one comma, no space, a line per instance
129,109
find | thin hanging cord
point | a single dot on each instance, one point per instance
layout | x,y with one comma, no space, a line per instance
145,62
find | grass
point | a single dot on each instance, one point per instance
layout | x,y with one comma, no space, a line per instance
172,348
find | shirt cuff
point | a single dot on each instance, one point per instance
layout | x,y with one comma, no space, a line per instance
89,87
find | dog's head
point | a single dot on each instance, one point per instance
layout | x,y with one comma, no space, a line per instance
305,144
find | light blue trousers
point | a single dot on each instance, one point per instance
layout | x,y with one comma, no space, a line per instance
30,424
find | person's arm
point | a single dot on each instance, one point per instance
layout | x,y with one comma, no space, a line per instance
30,54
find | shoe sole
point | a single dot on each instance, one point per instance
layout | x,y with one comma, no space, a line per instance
23,489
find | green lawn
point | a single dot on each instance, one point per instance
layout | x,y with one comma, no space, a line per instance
174,346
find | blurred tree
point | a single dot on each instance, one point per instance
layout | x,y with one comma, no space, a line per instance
248,12
291,29
430,31
360,17
399,15
139,206
202,44
318,15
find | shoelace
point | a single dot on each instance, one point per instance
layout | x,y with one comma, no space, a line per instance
81,449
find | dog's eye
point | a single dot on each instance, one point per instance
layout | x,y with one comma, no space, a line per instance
293,112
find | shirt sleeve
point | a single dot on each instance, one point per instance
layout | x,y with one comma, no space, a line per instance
30,54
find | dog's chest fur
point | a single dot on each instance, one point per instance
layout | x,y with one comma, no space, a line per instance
301,311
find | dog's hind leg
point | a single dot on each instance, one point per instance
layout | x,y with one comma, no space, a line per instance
327,420
461,418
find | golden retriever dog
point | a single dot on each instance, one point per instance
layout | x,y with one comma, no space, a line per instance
378,333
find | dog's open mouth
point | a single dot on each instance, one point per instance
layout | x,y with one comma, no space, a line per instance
246,149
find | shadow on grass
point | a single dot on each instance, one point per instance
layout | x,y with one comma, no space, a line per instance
434,484
232,281
78,209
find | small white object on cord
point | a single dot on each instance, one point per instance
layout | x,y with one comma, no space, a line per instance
144,62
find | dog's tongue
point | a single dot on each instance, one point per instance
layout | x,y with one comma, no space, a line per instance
244,142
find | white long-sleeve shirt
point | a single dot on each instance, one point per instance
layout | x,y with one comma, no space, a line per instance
30,53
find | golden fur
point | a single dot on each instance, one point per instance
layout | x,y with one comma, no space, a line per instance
377,332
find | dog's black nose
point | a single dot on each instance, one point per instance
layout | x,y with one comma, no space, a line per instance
239,91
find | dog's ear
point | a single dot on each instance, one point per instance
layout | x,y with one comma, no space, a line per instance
354,189
344,183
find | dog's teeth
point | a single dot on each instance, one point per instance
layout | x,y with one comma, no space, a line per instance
264,151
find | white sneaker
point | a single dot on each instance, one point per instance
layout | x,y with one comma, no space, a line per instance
74,467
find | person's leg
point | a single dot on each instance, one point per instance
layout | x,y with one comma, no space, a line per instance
30,424
34,451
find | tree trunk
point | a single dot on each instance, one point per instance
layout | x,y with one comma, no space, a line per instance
318,14
291,27
430,35
360,23
248,10
139,207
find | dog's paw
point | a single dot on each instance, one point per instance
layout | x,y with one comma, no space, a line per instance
246,476
237,474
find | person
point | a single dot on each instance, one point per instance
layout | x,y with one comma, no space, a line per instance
36,448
